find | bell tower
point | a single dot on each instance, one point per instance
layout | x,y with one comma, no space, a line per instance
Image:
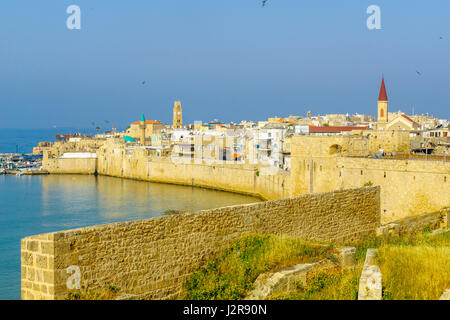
382,105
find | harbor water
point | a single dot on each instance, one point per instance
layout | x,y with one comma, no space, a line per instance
32,205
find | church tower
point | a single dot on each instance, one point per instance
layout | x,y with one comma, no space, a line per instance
142,127
177,115
382,105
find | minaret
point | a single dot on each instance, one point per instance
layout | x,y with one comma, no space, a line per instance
382,105
177,115
142,126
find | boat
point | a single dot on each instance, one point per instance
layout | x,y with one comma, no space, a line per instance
20,173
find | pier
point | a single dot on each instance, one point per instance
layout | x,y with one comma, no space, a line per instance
21,164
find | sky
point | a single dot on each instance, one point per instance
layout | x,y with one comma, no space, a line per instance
229,60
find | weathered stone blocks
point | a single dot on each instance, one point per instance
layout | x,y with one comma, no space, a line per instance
370,283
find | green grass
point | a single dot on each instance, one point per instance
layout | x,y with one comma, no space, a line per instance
331,284
423,239
231,275
110,293
414,267
415,272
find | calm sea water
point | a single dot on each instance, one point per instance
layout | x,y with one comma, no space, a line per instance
33,205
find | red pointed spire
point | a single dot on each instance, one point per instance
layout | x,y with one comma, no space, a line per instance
383,95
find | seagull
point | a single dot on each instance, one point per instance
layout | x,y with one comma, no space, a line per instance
143,82
440,38
418,73
264,2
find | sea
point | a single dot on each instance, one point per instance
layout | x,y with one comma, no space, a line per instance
32,205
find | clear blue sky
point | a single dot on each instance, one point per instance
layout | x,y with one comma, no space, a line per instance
229,59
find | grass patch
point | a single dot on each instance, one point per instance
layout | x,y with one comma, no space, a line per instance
231,275
423,239
414,267
414,273
110,293
332,284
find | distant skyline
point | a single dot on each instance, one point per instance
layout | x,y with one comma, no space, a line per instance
228,60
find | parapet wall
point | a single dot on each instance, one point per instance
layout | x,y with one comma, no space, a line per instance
153,258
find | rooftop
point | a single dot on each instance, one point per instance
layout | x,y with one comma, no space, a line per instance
335,129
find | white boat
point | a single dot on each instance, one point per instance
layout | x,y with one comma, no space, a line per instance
20,173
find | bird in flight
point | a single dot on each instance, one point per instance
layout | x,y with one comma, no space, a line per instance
441,38
264,2
419,73
143,82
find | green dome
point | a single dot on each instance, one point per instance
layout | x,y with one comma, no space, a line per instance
142,117
128,139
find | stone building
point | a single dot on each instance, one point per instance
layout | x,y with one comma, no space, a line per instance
402,122
151,128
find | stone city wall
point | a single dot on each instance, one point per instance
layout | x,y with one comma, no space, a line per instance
70,166
408,187
240,178
417,224
153,258
265,183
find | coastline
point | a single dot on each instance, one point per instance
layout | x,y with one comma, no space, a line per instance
34,205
